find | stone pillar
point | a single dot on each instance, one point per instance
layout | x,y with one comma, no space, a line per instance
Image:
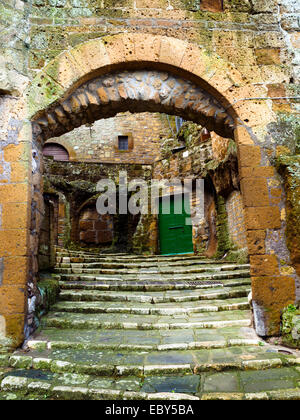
15,202
271,290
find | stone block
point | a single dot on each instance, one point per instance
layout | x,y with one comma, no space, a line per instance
15,216
15,271
91,55
242,136
264,265
14,193
255,192
272,294
114,48
13,242
256,241
172,51
20,172
268,56
12,301
211,5
258,218
147,47
16,153
249,156
41,93
64,70
257,172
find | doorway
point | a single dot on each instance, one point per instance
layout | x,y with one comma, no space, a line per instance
176,236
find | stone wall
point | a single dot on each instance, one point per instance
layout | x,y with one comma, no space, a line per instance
78,220
212,158
94,228
99,142
257,36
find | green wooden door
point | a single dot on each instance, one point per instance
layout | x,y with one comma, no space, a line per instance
175,236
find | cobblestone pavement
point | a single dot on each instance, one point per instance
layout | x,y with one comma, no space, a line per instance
136,327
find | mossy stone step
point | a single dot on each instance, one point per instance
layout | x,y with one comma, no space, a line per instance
158,276
162,340
160,270
271,384
130,321
146,363
154,309
150,285
175,296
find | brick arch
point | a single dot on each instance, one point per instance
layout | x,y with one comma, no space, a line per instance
134,91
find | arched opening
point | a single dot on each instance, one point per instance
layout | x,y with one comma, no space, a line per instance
102,77
56,151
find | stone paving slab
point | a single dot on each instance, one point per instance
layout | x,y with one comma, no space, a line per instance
271,384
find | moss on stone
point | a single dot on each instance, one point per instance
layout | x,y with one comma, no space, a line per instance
49,290
289,168
224,242
290,327
286,131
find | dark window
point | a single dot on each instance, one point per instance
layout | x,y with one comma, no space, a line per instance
123,142
57,151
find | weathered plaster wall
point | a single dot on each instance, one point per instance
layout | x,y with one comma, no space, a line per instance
99,142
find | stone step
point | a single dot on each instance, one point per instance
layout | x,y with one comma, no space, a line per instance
150,285
134,259
153,265
154,276
146,309
129,321
67,253
175,296
273,384
148,363
149,271
147,340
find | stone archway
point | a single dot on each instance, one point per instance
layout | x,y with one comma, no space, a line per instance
92,80
134,91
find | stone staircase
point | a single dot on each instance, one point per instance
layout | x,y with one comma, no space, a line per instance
149,328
